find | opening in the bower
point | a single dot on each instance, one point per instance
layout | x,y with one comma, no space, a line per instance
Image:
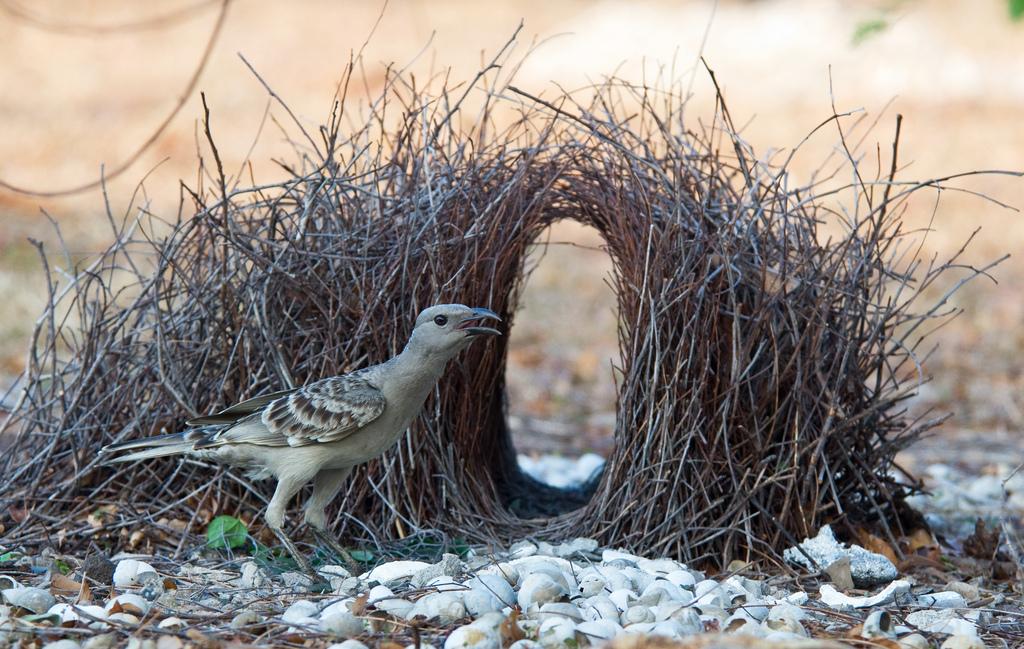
561,387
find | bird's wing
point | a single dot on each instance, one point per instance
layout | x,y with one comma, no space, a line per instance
239,410
325,411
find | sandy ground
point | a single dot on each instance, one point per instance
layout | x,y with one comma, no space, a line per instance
76,99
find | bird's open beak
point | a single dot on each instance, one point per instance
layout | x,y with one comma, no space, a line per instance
478,315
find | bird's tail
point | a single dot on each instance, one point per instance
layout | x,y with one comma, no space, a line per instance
149,447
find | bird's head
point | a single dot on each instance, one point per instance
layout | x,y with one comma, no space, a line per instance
447,329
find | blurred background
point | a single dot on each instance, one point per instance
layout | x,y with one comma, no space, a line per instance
86,84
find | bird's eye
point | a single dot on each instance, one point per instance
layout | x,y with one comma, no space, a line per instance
440,321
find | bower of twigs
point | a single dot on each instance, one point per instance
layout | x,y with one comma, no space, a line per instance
767,332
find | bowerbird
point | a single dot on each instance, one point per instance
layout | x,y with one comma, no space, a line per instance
320,431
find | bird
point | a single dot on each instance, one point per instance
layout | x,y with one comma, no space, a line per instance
319,432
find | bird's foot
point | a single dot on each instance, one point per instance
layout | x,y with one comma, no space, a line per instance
304,565
328,539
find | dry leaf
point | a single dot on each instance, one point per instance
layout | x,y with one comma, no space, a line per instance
101,516
875,544
18,514
85,593
982,544
359,606
64,584
509,629
137,537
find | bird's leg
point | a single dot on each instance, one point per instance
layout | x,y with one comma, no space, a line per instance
325,486
286,488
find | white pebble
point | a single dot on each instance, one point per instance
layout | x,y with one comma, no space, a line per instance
131,572
394,571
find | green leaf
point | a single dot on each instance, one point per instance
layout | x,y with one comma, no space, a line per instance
62,566
363,556
225,532
869,28
8,556
1016,9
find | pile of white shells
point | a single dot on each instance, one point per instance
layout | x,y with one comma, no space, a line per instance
563,595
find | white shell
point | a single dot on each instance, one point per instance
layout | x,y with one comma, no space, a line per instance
560,609
599,629
302,613
130,603
36,600
682,578
394,606
131,572
637,614
123,618
524,644
172,623
343,605
522,549
471,636
556,633
591,584
378,593
505,570
607,556
444,583
686,616
785,623
832,597
66,612
670,629
443,607
538,588
623,598
659,567
393,571
495,586
339,621
600,607
878,624
348,644
93,611
479,602
638,579
662,591
252,576
942,599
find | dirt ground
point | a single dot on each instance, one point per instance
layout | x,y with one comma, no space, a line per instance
87,85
